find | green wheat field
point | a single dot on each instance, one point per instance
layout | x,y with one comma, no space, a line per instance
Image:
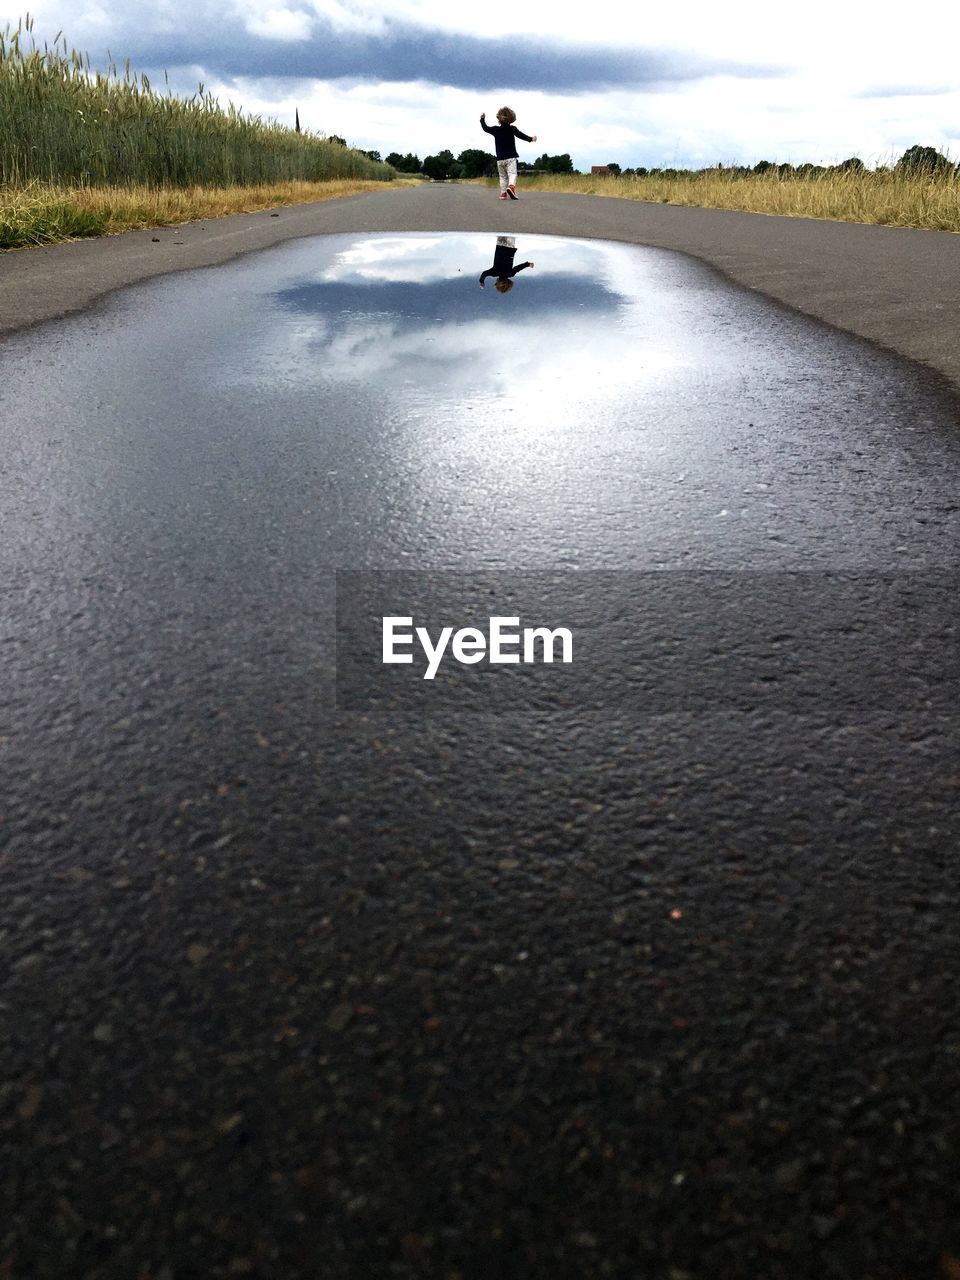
84,152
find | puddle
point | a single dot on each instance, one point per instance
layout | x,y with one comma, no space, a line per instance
361,400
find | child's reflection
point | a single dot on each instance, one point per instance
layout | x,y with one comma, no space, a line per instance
503,267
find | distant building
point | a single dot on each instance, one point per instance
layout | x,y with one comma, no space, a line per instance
600,168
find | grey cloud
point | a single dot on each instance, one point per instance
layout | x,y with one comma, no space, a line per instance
407,53
905,91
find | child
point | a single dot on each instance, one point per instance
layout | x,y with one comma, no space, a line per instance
505,134
503,267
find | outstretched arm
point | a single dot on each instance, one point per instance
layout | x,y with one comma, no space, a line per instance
483,123
526,137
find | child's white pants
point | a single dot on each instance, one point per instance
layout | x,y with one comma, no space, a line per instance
507,169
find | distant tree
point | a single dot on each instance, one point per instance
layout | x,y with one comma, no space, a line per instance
923,160
438,167
554,164
614,167
477,163
763,166
404,164
640,171
853,165
335,137
786,170
374,155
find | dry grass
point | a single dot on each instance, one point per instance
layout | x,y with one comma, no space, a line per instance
42,214
886,197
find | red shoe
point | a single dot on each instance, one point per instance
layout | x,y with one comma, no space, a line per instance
511,191
503,195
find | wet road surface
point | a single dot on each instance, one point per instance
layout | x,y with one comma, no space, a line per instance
895,286
644,970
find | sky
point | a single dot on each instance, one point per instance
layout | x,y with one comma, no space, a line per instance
686,85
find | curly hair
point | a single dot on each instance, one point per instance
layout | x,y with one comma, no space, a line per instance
506,116
503,285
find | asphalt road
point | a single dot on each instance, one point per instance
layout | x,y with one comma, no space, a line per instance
646,973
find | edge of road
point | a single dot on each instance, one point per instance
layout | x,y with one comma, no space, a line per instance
896,287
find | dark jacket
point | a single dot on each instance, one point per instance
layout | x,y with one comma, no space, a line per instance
503,267
504,136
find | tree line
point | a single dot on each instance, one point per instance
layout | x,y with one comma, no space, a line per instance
915,160
472,163
476,163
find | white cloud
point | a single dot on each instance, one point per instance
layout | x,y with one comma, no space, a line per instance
280,24
734,123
